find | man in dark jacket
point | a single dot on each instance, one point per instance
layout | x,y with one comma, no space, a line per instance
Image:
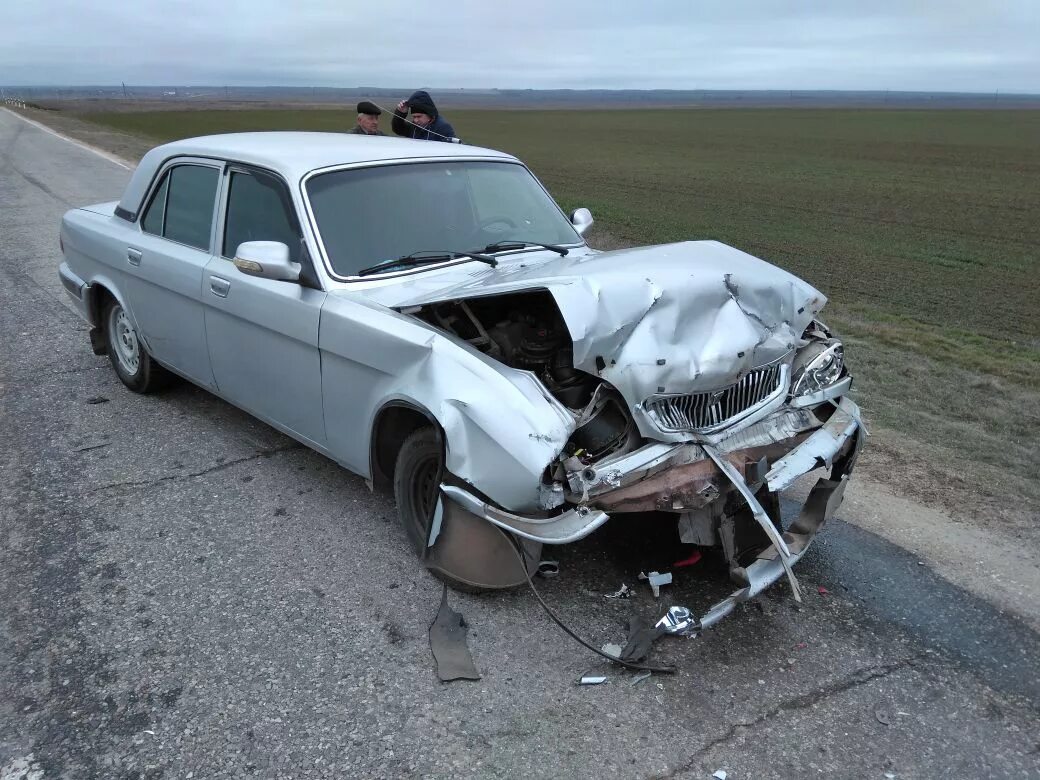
425,124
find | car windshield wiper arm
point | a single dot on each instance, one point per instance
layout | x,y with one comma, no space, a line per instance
425,257
502,246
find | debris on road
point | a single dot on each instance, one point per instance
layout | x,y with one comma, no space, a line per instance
640,677
97,399
548,569
612,649
695,557
656,580
624,592
801,645
882,717
641,635
822,590
678,621
591,679
720,774
448,643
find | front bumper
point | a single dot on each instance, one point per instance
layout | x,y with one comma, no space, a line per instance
677,477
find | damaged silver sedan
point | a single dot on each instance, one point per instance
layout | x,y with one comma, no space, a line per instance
425,315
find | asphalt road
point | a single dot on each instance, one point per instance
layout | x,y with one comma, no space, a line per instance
184,592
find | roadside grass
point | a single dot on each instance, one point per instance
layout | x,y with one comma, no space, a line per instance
922,227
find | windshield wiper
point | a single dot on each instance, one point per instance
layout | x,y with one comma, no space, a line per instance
504,246
424,257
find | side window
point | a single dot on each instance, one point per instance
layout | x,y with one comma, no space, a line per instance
259,209
152,221
189,205
182,208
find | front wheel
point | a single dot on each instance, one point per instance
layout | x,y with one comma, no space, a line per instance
469,553
133,365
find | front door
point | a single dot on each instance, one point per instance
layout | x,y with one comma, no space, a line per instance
262,333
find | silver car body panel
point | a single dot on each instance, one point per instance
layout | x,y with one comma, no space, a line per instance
321,364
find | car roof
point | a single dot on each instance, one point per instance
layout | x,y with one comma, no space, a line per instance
292,154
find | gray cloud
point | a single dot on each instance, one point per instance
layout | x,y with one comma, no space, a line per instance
742,44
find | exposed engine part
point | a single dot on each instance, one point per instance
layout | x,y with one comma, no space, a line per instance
603,432
527,333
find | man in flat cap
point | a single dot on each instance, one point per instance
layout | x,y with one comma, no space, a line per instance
367,119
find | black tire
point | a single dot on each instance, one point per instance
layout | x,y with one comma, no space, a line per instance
416,484
133,365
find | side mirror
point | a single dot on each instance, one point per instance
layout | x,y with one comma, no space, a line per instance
266,259
582,220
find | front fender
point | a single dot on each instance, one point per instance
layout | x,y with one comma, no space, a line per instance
501,427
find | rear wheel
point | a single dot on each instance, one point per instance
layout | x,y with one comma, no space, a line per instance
133,365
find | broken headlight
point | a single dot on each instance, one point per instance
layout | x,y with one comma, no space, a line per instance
818,366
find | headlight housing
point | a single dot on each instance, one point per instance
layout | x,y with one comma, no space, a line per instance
818,366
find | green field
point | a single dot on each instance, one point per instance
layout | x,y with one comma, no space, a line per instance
923,228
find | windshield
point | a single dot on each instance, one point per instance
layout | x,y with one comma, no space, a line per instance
367,216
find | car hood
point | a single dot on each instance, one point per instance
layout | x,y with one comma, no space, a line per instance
674,318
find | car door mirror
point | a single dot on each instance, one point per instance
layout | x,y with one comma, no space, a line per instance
266,259
582,220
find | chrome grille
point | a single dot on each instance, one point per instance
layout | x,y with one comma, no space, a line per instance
705,412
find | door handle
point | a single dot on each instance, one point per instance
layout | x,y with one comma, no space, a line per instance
219,287
133,256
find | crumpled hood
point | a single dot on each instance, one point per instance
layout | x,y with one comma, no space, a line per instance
675,318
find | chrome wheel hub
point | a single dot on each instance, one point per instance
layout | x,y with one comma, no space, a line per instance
123,341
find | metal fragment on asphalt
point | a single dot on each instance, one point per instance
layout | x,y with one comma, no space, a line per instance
640,677
678,621
448,643
624,592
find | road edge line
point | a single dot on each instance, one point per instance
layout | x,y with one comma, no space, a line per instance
75,142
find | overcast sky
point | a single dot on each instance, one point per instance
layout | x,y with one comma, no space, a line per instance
949,45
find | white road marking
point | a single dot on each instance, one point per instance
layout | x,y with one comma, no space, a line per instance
99,152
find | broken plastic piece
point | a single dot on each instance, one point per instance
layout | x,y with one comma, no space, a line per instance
448,643
641,636
612,649
640,677
548,568
656,580
822,590
695,557
720,774
678,621
590,679
624,592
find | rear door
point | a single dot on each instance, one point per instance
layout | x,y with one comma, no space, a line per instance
262,333
165,263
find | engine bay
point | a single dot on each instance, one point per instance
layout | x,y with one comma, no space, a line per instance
526,331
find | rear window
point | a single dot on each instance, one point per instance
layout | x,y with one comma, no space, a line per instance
182,207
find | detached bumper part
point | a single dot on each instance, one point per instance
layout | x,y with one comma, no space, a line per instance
839,442
570,526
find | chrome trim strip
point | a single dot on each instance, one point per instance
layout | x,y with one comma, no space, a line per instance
570,526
